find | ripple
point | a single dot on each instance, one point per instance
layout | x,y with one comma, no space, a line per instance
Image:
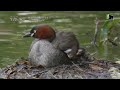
26,13
10,47
6,33
25,21
22,26
5,30
2,21
115,14
87,16
4,40
13,52
28,21
62,20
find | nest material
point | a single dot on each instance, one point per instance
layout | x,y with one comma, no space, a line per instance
85,67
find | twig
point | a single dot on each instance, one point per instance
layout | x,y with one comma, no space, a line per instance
52,74
113,43
96,32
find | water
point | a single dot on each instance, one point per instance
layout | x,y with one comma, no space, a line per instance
13,25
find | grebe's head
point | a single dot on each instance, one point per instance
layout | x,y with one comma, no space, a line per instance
42,31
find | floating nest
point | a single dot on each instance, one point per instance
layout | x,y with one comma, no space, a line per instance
86,67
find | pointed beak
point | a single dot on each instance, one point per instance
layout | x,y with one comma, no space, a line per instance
27,35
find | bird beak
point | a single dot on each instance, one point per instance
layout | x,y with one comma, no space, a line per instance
27,34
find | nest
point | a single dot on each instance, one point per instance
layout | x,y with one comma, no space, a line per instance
86,67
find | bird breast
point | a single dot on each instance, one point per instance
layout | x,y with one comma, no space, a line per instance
43,53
